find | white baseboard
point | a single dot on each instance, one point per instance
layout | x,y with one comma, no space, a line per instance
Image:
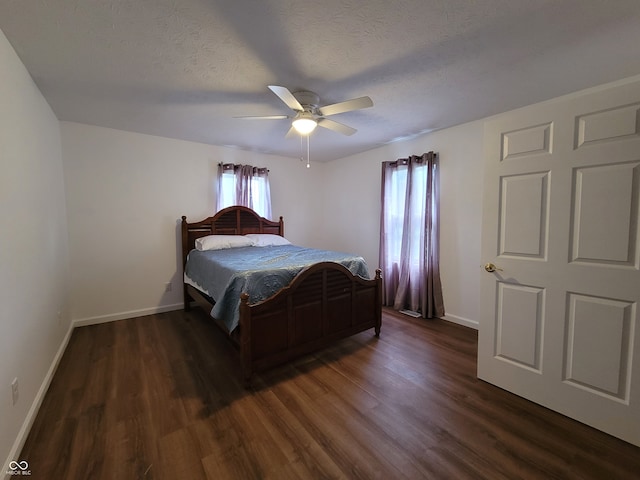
81,322
461,321
35,406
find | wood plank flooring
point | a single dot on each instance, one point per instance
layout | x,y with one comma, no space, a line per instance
160,397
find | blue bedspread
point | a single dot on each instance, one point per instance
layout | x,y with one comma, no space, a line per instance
258,271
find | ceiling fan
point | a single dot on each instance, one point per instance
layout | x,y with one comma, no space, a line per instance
308,113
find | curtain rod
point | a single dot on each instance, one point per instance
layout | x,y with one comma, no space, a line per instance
233,165
418,158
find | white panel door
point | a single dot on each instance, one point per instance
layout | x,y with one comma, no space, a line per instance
560,311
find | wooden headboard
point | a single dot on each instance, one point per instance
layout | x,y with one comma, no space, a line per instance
236,220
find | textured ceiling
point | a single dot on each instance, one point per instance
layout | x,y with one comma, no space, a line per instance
185,68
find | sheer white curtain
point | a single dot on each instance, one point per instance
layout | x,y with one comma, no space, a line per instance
244,185
409,236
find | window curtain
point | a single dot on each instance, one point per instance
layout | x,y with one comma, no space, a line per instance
244,185
409,235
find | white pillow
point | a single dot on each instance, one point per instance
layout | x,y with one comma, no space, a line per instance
219,242
267,239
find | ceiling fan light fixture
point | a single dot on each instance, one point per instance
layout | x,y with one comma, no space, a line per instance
304,125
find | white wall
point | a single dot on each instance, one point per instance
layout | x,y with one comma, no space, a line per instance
33,248
352,209
126,193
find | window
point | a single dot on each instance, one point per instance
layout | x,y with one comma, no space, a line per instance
227,190
244,185
397,208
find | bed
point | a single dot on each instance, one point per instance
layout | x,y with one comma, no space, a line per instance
323,301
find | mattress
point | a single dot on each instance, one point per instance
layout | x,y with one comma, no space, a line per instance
258,271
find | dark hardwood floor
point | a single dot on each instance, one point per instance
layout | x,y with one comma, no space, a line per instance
160,397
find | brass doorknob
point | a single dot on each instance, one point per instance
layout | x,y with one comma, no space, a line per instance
490,267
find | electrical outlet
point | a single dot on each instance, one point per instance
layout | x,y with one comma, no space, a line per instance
14,390
167,287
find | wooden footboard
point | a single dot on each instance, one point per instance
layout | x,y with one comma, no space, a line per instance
323,304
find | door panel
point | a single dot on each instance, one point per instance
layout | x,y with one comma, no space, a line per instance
561,205
605,232
599,325
520,319
527,142
614,124
524,215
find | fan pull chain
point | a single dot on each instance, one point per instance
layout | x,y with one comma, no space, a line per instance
301,150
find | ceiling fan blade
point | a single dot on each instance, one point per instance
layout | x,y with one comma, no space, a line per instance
349,105
336,127
291,133
287,97
266,117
